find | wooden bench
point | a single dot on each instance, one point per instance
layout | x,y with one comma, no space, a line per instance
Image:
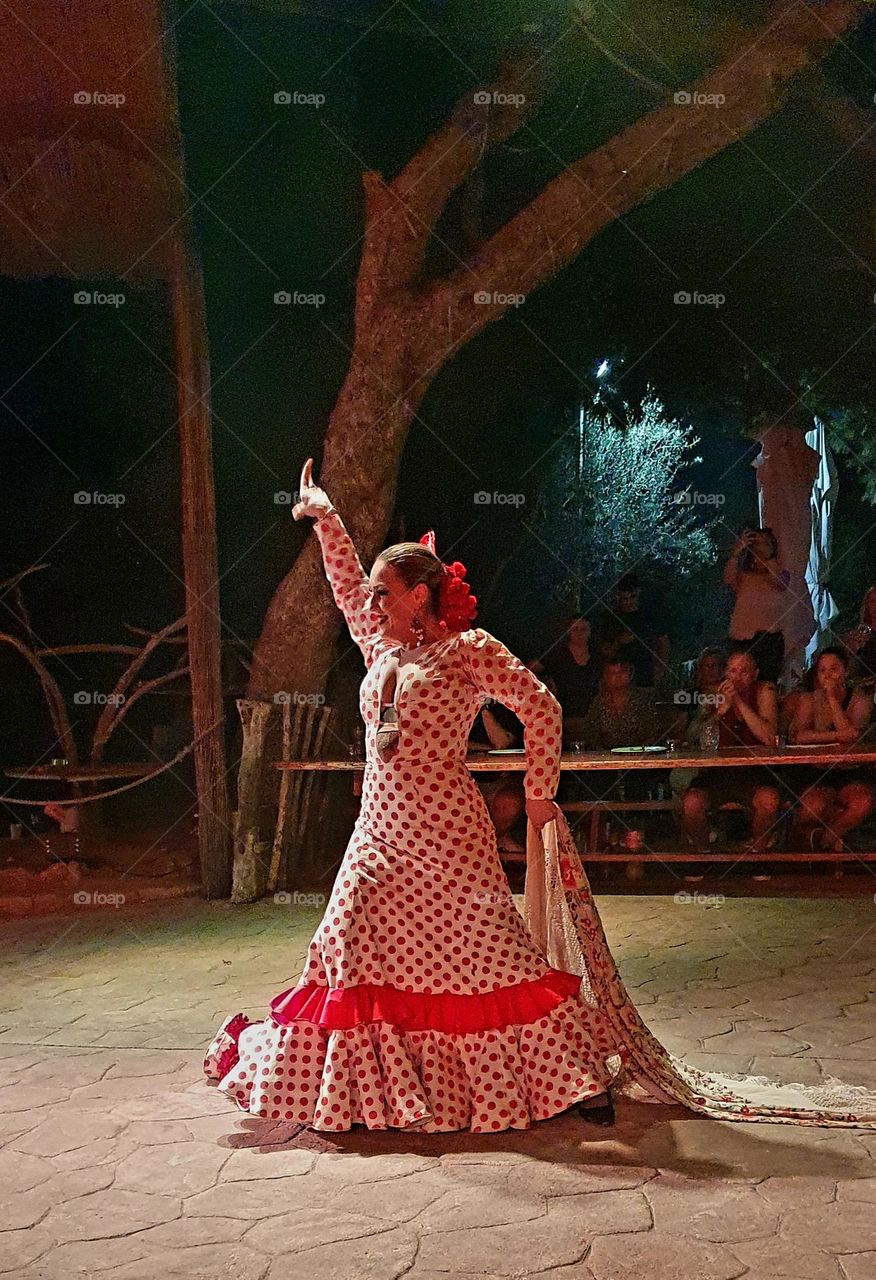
596,808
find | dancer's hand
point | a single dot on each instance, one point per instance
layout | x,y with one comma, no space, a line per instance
540,812
312,501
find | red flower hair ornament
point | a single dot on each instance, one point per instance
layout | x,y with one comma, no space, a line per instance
456,604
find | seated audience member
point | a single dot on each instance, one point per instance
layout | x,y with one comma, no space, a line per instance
696,706
571,673
621,714
497,727
747,715
632,632
861,642
697,702
834,801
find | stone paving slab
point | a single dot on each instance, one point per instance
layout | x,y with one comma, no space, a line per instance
118,1162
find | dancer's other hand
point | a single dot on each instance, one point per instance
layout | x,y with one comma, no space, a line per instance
540,812
312,501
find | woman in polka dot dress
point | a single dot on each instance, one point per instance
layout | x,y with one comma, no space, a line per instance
424,1003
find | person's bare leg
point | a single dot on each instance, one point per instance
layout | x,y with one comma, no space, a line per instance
854,803
813,811
506,805
695,817
764,814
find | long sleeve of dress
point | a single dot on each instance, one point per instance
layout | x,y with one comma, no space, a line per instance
495,671
348,581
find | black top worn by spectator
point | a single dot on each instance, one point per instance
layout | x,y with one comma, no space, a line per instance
576,684
629,616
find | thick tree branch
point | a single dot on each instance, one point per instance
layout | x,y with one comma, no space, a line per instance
400,215
648,156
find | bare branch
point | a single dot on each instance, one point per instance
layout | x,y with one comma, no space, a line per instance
102,729
52,694
9,583
108,727
61,649
169,637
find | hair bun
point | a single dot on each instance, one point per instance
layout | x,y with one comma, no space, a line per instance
457,606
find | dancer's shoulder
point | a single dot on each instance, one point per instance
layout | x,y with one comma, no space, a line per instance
476,637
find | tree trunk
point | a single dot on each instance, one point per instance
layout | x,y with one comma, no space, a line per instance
406,329
361,455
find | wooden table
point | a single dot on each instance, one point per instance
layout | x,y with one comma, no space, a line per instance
77,772
66,845
682,758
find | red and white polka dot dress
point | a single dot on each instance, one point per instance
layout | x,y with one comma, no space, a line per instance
424,1002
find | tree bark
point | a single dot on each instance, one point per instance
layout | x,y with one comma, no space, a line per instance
200,571
407,328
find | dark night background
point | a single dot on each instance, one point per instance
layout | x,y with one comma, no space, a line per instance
91,405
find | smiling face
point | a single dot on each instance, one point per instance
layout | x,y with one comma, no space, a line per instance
394,603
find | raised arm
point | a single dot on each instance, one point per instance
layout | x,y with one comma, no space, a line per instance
495,671
347,578
348,581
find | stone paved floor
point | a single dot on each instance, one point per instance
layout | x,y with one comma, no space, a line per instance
118,1162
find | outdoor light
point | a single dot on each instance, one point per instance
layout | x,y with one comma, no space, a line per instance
603,369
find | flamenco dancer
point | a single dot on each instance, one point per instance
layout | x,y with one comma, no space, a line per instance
427,1001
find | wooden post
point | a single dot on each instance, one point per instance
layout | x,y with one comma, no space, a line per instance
199,556
251,853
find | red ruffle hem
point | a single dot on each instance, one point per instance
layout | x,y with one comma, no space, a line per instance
438,1062
338,1009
